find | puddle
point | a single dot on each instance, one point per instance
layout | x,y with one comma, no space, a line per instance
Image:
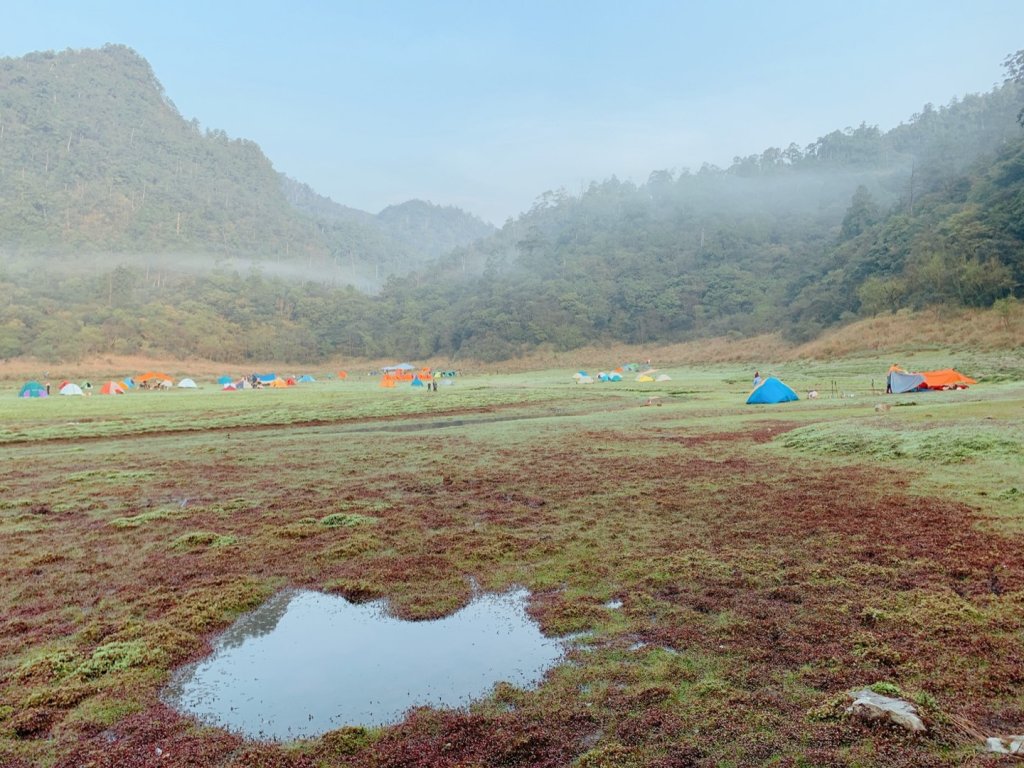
305,663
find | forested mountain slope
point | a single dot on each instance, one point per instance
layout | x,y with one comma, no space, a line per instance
793,240
94,157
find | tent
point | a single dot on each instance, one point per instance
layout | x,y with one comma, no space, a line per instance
771,390
277,383
229,387
225,380
152,375
266,378
187,384
32,389
111,388
305,379
644,378
387,381
663,377
947,377
417,382
901,381
71,389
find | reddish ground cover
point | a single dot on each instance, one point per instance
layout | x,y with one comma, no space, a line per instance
754,592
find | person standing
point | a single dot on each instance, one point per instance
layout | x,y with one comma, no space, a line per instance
757,379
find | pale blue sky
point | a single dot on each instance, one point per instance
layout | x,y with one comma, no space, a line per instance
486,105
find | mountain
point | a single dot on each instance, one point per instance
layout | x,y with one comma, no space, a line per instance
94,157
126,229
395,241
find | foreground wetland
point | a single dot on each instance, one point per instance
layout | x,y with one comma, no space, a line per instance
727,573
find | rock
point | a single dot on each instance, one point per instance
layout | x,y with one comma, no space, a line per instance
869,705
1006,745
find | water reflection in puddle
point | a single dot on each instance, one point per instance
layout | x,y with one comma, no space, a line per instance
305,663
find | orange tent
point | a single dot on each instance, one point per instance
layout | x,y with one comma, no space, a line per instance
947,377
277,384
152,375
111,388
342,374
387,381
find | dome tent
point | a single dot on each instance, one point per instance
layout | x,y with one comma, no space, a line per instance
771,390
32,389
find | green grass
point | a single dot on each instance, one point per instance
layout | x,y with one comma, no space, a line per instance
767,558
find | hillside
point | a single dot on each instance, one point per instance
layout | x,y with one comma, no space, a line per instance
790,241
94,157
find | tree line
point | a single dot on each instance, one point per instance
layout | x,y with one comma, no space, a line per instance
794,240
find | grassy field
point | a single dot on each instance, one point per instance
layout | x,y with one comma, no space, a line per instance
767,559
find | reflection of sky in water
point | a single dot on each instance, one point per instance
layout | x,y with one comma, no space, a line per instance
305,663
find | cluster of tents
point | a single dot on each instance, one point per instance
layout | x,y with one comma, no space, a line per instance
407,373
899,381
261,381
642,375
151,380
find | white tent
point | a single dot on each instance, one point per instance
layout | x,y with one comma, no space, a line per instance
187,384
71,389
663,377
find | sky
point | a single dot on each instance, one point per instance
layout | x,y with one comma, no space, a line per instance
486,105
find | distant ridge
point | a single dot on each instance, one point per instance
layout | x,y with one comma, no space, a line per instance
95,157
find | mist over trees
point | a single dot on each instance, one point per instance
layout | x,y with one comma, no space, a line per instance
122,226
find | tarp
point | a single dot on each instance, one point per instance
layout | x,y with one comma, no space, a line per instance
771,390
111,388
187,384
947,377
32,389
71,389
901,381
399,367
152,375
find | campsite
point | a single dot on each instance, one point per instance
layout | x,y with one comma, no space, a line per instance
725,573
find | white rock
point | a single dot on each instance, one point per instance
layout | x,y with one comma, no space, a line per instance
1006,745
873,706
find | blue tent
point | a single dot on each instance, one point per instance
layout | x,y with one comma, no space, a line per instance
417,383
266,378
225,380
771,390
32,389
305,379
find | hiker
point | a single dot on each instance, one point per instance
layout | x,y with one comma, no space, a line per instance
757,379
